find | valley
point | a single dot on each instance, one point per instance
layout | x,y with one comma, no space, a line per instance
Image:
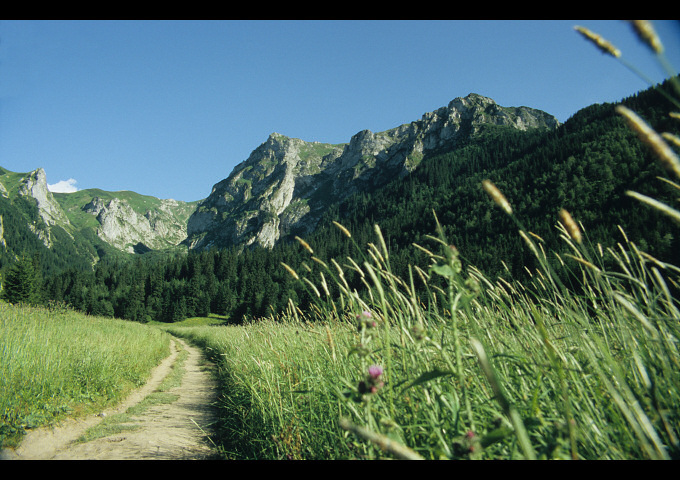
484,282
410,287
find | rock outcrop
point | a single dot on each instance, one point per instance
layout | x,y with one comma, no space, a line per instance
34,185
125,220
126,228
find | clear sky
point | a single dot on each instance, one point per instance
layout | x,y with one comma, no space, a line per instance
169,108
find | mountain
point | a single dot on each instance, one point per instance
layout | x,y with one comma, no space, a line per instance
128,221
585,165
34,185
82,227
283,189
287,184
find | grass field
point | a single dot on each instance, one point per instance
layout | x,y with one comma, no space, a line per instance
485,370
55,363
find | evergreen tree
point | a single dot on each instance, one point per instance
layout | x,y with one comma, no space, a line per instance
21,283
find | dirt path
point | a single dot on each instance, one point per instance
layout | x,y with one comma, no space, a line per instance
177,430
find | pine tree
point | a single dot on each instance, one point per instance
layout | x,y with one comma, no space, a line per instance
21,284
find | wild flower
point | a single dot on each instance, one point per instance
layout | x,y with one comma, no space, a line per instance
366,320
467,445
374,371
372,383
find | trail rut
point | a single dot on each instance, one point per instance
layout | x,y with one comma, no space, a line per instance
176,431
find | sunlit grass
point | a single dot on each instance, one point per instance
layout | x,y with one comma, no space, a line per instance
57,363
477,369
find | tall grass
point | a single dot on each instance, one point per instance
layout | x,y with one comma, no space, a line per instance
274,378
476,369
55,363
579,362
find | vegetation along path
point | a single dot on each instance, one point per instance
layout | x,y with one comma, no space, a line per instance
164,419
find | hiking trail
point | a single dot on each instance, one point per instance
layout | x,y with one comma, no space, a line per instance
179,430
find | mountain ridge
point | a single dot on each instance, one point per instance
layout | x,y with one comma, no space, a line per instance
585,166
109,222
286,184
282,189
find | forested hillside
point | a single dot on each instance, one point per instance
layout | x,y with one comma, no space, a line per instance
585,166
17,238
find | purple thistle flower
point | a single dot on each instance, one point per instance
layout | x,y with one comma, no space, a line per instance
365,320
374,371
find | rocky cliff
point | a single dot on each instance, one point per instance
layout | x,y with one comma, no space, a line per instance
137,231
127,221
32,186
286,184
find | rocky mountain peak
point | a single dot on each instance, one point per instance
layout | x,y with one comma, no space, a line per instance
285,185
134,229
34,185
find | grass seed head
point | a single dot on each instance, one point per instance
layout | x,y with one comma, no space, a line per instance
604,45
291,271
671,138
646,33
342,229
497,196
304,244
652,139
571,226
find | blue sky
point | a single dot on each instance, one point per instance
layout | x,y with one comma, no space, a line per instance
169,108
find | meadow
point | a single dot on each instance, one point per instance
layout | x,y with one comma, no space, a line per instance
480,370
